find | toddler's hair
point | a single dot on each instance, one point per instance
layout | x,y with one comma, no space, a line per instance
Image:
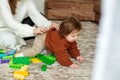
68,25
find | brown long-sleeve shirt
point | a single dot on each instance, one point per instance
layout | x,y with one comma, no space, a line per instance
61,47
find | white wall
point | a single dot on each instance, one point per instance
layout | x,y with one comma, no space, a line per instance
40,5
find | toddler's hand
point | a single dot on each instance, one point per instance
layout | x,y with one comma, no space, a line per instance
80,59
74,66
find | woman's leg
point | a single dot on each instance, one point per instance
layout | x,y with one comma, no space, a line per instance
38,46
8,39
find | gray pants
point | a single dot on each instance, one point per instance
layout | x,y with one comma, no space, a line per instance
38,46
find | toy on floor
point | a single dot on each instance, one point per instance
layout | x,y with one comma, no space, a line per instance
22,73
21,60
46,59
4,61
35,60
19,77
2,51
5,56
11,52
15,66
18,62
44,67
22,63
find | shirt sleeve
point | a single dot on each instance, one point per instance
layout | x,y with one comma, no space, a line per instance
35,15
73,50
23,30
61,55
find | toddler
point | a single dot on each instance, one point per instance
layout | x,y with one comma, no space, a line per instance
61,42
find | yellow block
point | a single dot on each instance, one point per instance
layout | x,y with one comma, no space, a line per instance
24,68
19,77
16,54
22,71
35,60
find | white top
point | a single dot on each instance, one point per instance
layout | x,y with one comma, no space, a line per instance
13,22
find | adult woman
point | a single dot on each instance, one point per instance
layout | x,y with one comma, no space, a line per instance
12,31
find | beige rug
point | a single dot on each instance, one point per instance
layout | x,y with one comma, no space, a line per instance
86,44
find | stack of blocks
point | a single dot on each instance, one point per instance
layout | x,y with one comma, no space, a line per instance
21,63
5,56
18,62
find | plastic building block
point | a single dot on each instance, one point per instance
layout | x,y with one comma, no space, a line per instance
21,60
4,61
35,60
16,66
2,55
16,54
48,59
19,76
2,51
24,68
7,57
11,52
22,71
44,67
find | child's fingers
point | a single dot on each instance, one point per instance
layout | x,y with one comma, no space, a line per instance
79,59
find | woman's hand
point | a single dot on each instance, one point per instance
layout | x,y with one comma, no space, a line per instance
40,30
54,25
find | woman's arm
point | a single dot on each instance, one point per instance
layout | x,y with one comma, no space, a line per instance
22,30
35,15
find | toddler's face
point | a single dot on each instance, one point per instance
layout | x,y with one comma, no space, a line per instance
72,36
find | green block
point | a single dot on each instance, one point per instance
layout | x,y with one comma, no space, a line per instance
22,60
2,51
47,59
16,66
7,57
32,57
44,67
